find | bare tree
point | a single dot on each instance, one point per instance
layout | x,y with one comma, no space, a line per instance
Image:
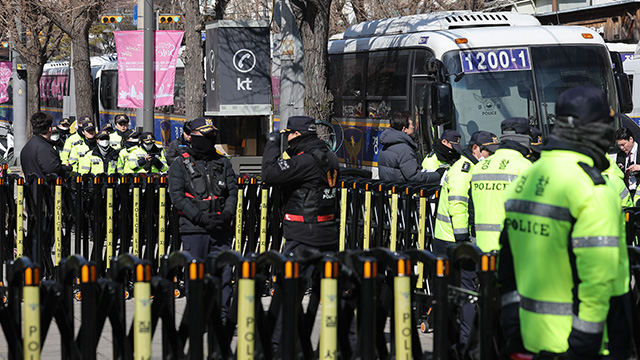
35,38
312,17
75,17
193,55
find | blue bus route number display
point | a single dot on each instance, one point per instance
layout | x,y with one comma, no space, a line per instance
495,60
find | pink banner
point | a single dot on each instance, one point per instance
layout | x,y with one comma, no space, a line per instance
130,48
5,76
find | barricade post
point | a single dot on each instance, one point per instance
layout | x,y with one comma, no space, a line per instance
422,223
142,331
57,220
264,201
239,211
111,180
487,280
393,230
85,216
98,220
195,303
37,243
31,294
246,312
79,223
344,198
329,313
367,313
367,217
403,320
355,216
136,216
149,219
125,212
289,302
162,218
20,218
88,335
630,225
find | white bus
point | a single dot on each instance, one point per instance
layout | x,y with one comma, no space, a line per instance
462,70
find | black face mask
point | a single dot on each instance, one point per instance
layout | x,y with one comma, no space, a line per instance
203,147
91,142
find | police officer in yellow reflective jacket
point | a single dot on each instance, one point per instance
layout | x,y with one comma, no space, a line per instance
452,219
446,151
147,157
131,141
102,159
560,247
490,178
122,126
72,140
88,141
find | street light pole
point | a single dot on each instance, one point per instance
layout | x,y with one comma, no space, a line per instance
149,78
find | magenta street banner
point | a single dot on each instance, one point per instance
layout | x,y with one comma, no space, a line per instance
130,49
5,76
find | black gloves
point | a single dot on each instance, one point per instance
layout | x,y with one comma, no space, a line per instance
226,217
142,161
274,136
157,163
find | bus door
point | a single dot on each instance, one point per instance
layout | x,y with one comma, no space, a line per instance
420,105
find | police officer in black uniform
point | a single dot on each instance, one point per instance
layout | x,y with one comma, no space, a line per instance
203,188
308,179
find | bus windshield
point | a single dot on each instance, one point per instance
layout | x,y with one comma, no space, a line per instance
521,82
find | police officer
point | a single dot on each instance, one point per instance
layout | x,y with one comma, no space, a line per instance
308,179
73,140
445,152
87,133
452,218
560,247
177,146
102,159
148,157
203,188
131,141
490,178
122,125
64,130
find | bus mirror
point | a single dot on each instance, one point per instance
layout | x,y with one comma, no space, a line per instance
624,92
616,60
441,103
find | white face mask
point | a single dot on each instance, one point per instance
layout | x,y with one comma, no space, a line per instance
55,137
103,143
148,146
481,158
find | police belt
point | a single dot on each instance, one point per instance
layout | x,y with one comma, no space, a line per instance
300,218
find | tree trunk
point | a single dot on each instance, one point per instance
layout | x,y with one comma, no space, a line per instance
34,73
193,57
82,72
313,21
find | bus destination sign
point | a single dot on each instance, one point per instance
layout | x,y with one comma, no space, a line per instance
495,60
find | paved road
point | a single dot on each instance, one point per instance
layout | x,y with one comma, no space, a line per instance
51,346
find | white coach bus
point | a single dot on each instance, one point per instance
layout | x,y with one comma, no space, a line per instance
462,70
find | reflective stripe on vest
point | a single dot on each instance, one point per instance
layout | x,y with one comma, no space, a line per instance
443,218
458,198
595,241
624,193
538,209
587,326
460,231
487,227
300,218
493,177
545,307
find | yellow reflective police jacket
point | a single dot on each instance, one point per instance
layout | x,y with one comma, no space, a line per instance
560,253
489,180
452,218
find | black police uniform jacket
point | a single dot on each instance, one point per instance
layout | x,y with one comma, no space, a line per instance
212,187
308,181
